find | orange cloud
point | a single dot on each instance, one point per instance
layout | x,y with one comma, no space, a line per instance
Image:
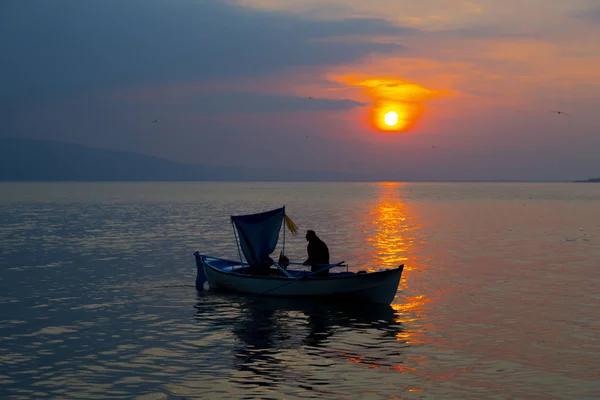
397,104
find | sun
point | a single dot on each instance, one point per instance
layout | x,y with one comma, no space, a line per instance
391,118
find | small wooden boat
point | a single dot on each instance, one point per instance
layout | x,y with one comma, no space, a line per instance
258,234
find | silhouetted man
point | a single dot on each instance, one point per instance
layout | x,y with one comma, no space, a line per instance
318,253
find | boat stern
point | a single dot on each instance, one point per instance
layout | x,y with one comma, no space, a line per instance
385,291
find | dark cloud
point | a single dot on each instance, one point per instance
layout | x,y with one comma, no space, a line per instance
591,14
232,102
60,47
479,31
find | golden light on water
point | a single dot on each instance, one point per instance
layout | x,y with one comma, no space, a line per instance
392,237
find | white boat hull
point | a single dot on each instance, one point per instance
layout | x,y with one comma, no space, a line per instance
375,287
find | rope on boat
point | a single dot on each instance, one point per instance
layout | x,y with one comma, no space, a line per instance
237,243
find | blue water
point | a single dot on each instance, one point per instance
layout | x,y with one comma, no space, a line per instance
499,298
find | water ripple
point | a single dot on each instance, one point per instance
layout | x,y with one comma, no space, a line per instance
498,298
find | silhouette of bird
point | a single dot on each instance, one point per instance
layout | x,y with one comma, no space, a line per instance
310,98
155,121
559,112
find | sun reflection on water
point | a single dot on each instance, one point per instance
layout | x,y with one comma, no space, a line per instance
391,226
392,232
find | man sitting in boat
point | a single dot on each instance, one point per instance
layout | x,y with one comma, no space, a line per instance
318,253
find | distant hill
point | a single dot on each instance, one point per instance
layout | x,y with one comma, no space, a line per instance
42,160
591,180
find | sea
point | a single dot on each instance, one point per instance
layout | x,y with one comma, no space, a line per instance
499,299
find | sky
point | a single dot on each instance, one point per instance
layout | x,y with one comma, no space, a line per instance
469,86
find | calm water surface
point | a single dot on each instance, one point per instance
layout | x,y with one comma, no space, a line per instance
500,297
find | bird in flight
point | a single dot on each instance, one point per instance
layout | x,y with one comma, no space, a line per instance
155,121
559,112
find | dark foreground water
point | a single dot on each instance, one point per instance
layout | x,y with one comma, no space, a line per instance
500,298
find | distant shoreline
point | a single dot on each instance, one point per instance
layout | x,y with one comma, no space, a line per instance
279,181
36,160
592,180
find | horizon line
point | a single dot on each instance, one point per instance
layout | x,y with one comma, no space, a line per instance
295,181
